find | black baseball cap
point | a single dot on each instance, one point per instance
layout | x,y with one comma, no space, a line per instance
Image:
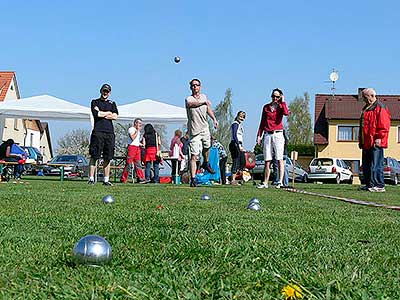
105,86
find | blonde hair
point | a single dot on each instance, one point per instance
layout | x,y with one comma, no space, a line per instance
178,132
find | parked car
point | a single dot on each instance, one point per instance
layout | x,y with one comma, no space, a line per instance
391,171
258,170
330,169
76,164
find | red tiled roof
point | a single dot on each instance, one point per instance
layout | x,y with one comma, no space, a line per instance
5,81
345,107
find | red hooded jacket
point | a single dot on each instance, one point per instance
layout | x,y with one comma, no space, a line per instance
374,124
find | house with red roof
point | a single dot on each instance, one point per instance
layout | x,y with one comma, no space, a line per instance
336,126
23,131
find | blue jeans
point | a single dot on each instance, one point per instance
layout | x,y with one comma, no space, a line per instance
275,166
156,165
372,160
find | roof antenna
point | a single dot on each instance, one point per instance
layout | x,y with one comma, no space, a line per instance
334,76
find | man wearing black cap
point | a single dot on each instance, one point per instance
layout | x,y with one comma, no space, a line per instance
102,140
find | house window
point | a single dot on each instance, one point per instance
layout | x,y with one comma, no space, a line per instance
16,124
398,134
348,133
354,165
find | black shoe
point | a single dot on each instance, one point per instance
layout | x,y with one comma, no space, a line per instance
91,182
107,183
206,166
193,182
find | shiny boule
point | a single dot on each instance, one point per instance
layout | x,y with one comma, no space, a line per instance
108,199
205,197
254,206
92,250
254,200
177,59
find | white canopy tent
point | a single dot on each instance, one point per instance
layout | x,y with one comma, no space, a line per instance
152,111
42,107
47,107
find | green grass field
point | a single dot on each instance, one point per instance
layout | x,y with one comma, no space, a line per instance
194,249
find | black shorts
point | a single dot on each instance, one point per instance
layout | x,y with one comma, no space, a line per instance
102,145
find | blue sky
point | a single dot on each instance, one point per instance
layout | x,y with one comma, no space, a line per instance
69,48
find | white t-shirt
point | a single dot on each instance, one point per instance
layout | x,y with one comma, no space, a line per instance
136,141
197,116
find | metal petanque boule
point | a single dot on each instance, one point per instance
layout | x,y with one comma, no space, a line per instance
254,206
254,200
108,199
92,250
205,197
177,59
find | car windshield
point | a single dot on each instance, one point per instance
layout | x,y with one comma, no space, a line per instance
66,158
322,162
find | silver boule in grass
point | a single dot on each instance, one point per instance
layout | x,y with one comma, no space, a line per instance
205,197
92,250
254,206
108,199
254,200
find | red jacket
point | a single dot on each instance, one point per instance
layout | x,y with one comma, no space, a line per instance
374,124
271,117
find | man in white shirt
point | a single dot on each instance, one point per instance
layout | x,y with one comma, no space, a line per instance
198,108
134,152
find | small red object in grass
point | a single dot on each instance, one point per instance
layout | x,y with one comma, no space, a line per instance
159,206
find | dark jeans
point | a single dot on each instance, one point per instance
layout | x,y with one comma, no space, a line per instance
222,167
18,169
147,171
238,158
174,168
275,165
372,160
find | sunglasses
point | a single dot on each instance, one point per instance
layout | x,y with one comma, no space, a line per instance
275,97
194,85
105,91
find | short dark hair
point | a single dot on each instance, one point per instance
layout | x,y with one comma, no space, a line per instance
194,79
277,90
137,120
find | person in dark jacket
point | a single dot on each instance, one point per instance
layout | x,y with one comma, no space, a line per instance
373,138
102,139
151,142
236,145
7,155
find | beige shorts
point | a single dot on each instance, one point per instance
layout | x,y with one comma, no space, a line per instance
274,144
199,141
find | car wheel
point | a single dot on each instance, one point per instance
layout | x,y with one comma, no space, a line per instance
305,178
337,179
350,181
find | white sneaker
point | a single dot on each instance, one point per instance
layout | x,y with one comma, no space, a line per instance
376,189
279,185
263,186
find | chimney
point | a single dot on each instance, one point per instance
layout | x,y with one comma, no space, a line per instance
360,96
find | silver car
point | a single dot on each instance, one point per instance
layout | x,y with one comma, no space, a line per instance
300,173
330,169
74,164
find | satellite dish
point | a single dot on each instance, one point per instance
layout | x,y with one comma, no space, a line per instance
334,76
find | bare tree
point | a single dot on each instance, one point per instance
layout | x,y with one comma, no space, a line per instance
75,142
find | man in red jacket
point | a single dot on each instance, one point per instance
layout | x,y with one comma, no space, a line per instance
373,138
